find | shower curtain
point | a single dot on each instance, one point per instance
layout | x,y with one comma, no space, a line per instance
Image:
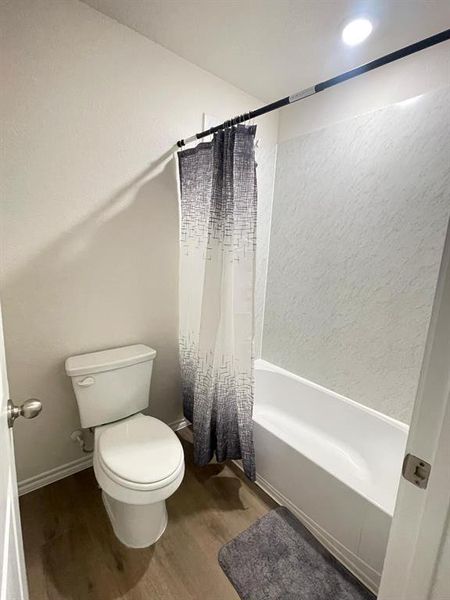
217,272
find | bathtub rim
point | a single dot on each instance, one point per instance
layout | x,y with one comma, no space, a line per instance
260,364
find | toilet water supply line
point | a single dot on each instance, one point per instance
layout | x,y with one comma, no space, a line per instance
319,87
78,436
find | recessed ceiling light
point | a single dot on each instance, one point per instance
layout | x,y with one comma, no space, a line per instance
356,31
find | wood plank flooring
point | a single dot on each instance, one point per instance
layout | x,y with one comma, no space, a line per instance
72,554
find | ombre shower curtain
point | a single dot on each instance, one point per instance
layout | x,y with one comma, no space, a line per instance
217,273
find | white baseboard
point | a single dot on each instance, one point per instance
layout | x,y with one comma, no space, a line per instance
179,424
47,477
52,475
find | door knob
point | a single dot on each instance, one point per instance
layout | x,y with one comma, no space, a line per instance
29,409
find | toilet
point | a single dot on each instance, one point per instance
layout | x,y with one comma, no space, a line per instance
138,460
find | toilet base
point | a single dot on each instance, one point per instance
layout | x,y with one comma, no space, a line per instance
136,525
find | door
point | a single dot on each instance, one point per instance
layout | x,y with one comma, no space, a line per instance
12,563
417,564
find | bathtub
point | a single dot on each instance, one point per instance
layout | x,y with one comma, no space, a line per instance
333,462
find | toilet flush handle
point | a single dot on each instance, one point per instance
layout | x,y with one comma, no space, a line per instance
86,381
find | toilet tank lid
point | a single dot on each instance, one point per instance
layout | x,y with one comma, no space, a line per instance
107,360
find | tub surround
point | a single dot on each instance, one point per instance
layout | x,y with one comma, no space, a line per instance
359,217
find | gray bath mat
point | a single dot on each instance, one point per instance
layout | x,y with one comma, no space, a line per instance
277,558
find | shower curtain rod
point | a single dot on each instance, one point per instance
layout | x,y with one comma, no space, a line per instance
319,87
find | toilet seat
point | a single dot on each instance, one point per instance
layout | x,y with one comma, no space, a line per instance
139,453
132,485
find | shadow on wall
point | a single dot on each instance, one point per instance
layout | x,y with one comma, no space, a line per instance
109,281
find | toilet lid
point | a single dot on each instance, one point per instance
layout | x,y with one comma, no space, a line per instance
140,450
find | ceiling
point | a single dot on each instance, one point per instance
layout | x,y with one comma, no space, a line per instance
273,48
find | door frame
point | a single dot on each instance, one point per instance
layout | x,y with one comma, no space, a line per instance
421,518
13,576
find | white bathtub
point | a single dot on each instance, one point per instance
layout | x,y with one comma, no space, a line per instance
333,462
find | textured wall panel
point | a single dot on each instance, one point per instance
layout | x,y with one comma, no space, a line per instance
359,219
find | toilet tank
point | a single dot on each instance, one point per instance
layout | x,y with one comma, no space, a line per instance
111,384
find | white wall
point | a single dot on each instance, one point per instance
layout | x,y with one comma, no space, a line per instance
359,220
89,203
416,74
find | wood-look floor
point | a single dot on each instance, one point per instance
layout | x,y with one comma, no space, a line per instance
71,551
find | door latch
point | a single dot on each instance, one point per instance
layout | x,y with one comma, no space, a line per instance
416,470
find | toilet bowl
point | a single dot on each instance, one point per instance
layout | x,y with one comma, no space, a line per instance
138,464
138,459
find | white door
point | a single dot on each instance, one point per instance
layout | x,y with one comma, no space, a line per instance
12,563
417,564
